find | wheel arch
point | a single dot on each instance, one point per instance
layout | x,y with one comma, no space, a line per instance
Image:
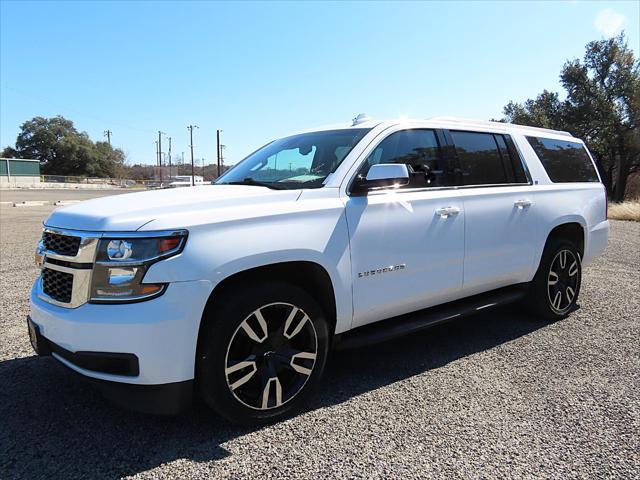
308,275
573,231
573,228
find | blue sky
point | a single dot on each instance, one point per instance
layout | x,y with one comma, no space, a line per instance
263,70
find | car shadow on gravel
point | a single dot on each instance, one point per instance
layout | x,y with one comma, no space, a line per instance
53,424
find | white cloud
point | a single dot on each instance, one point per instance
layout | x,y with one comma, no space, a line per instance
609,22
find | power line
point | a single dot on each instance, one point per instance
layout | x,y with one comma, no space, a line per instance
107,133
39,99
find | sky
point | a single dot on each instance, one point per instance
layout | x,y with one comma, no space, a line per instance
263,70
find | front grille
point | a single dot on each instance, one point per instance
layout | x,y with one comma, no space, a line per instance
58,285
61,244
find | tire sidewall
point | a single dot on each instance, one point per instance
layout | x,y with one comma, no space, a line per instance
218,331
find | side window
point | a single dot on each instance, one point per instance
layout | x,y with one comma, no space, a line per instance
419,149
563,160
479,158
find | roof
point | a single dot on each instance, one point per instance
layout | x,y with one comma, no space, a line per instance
446,122
500,125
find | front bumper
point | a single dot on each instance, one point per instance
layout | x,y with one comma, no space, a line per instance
163,399
161,333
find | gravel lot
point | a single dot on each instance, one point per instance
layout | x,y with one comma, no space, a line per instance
498,395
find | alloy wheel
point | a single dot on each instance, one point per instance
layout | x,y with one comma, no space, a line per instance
271,356
563,281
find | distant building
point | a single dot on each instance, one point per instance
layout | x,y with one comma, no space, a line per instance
19,172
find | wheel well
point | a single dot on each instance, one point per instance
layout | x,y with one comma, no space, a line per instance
309,276
571,231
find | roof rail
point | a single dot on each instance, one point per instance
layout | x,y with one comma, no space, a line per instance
501,125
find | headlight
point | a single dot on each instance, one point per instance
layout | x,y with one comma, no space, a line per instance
123,261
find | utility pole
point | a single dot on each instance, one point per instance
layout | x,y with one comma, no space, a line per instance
193,173
219,154
107,133
169,158
157,151
160,153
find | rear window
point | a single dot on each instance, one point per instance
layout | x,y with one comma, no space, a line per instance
563,160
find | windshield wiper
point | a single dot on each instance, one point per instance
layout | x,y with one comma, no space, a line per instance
256,183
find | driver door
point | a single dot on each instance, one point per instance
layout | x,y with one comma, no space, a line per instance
407,244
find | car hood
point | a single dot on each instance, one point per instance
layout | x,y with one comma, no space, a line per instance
132,211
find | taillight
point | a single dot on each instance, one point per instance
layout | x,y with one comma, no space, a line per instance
606,203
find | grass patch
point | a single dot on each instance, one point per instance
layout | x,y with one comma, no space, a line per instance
625,211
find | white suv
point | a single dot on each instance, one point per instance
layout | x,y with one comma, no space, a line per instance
330,238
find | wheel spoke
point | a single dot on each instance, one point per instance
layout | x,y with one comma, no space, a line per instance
251,332
573,269
244,379
266,393
553,278
305,356
557,300
289,321
563,259
570,294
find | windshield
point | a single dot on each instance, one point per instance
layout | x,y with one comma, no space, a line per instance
299,161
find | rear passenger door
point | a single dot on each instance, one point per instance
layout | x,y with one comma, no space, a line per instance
499,205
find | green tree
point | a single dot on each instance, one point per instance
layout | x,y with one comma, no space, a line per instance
110,161
602,106
63,150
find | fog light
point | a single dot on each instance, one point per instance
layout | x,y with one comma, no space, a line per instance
119,250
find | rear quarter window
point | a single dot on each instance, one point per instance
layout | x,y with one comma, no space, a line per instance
563,160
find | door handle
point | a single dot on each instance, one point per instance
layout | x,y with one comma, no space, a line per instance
521,204
444,212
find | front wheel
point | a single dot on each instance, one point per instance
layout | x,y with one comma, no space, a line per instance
555,288
262,351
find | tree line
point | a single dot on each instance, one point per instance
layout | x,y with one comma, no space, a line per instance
63,150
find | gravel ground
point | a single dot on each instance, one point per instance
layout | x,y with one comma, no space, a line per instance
497,395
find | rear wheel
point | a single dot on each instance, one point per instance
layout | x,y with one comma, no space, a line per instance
555,288
262,352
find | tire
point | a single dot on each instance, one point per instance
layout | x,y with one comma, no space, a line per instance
263,348
555,288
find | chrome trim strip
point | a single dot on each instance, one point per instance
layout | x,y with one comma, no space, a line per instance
143,234
432,189
117,234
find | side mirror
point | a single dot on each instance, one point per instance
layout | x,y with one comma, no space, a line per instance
383,175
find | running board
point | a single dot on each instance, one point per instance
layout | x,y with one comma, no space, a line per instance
416,321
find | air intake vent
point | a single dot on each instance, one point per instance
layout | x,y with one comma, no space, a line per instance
58,285
61,244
